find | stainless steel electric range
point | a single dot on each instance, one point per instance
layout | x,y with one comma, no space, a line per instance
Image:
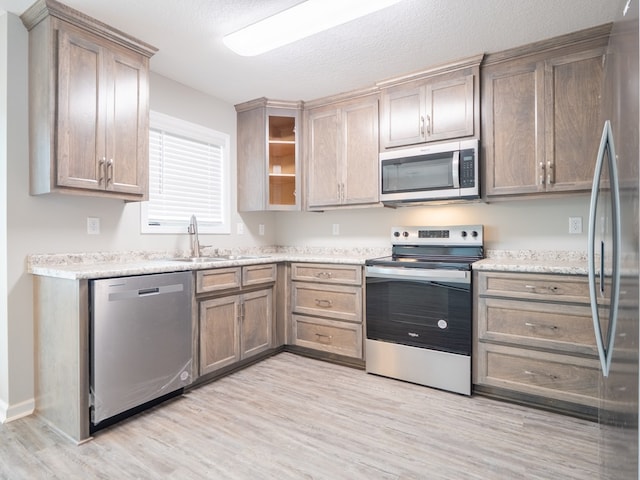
419,306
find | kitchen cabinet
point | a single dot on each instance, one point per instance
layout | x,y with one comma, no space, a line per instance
326,308
541,120
268,155
342,153
438,104
535,341
88,105
236,314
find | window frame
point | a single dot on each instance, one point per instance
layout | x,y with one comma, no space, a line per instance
199,133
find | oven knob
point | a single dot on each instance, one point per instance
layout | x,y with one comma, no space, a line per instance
464,234
396,234
474,234
405,234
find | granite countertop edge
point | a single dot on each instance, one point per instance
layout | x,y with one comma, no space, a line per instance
79,266
75,266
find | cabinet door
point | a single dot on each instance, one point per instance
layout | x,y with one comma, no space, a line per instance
257,322
81,111
219,336
513,129
360,159
252,187
403,116
573,93
323,182
449,109
127,128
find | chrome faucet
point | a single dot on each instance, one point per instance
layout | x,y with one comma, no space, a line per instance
195,242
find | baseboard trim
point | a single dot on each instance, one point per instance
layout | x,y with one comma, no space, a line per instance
9,413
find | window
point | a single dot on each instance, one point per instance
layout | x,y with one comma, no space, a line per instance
188,175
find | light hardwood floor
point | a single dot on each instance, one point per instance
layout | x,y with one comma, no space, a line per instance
291,417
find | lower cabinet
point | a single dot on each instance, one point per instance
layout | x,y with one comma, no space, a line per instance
236,314
535,340
326,306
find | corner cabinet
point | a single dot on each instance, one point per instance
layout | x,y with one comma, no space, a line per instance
342,153
541,107
268,153
438,104
88,105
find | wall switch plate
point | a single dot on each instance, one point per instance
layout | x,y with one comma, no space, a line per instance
93,225
336,229
261,229
240,228
575,225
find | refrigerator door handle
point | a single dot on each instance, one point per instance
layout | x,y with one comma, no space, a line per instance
605,351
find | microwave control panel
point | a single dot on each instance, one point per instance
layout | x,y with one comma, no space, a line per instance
467,169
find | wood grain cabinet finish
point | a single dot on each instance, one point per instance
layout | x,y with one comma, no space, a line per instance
535,339
439,104
236,314
89,105
541,109
342,153
268,155
327,308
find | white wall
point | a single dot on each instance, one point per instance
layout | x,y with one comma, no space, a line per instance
536,224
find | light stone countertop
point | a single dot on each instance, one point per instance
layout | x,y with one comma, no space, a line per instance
533,261
117,264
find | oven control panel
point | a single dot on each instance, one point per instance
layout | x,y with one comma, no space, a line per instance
449,235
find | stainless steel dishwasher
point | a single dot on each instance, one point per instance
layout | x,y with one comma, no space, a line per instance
141,343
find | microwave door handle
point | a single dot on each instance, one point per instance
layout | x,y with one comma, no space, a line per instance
455,167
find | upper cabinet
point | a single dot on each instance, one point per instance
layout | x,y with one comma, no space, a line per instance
541,109
268,155
88,105
438,104
341,149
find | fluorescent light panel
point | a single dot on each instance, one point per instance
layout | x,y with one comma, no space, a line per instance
300,21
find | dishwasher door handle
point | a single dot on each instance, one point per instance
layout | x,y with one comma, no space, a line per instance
143,292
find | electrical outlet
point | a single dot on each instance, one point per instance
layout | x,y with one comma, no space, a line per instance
261,229
93,225
240,228
575,225
336,229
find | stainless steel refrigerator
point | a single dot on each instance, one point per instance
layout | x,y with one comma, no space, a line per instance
613,250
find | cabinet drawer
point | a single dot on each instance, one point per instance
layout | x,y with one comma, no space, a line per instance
562,288
342,274
332,336
258,274
567,328
551,375
217,279
335,301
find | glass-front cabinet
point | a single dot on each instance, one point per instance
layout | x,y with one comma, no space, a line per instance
268,155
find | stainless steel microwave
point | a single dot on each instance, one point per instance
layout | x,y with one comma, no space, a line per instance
445,171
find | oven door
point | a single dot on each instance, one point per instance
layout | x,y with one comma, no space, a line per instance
420,307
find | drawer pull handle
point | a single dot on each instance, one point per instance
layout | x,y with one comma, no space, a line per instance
323,275
538,374
540,325
322,337
321,302
535,287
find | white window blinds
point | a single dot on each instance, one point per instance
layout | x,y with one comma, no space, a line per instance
188,175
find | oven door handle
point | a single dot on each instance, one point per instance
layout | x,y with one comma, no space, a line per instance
419,275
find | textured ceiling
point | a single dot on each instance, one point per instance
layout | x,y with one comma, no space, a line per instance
407,37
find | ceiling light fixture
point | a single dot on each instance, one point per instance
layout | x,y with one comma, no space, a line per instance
300,21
